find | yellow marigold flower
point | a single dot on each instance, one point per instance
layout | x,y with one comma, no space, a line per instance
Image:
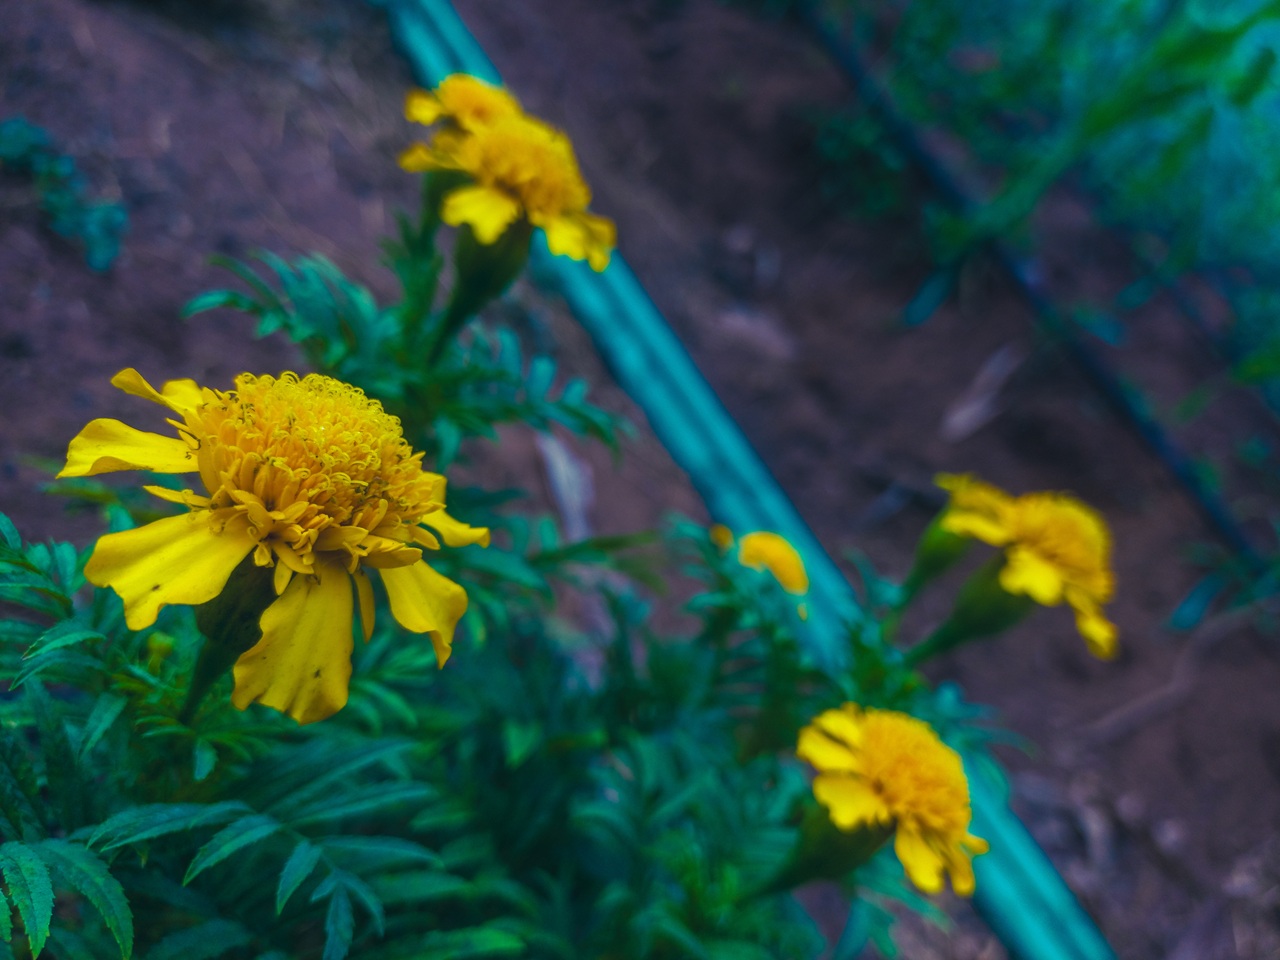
519,169
1056,549
310,477
461,99
880,767
769,551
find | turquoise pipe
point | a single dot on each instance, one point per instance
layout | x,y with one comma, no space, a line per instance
1021,896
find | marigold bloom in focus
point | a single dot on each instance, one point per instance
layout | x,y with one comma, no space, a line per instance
518,168
879,767
1056,549
315,481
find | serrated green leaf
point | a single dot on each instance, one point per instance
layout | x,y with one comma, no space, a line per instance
339,925
206,941
6,919
157,819
362,802
31,890
362,854
243,833
106,709
10,533
297,868
86,873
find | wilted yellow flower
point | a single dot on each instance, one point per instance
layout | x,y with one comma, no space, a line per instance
310,477
1056,549
519,168
880,767
461,99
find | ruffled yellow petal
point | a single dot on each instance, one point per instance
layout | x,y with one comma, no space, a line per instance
455,533
922,863
1099,633
421,106
178,559
423,601
768,551
180,396
824,753
844,725
104,446
487,211
850,802
1026,572
582,236
302,664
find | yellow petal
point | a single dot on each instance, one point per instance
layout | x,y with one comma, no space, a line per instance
581,236
417,158
922,863
423,601
768,551
421,106
1099,633
1026,572
104,446
302,664
487,210
844,725
175,560
979,526
850,801
454,532
364,593
824,753
180,396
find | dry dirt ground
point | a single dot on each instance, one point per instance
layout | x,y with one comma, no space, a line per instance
225,127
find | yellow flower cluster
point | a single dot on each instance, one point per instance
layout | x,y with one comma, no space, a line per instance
881,767
516,168
308,476
1056,549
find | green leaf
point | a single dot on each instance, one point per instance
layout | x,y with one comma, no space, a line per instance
203,942
339,925
84,872
297,868
6,920
157,819
64,634
243,833
10,533
360,802
204,758
106,709
361,854
30,889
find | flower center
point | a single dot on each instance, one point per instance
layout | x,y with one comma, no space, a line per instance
920,778
531,163
303,455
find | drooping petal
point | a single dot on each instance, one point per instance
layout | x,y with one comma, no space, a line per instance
824,753
850,801
1026,572
180,559
921,861
104,446
180,396
769,551
364,594
455,533
418,158
423,601
582,236
1099,633
487,210
302,664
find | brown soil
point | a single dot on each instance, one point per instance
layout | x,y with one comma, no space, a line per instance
276,124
